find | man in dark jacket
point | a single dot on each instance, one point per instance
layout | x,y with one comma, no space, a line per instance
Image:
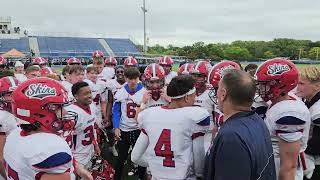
242,149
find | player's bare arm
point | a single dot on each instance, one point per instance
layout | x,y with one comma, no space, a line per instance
289,152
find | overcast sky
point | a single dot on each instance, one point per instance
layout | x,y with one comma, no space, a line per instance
178,22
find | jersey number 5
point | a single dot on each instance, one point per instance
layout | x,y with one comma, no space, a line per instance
131,110
163,148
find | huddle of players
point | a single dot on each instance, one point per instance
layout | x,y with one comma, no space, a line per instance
177,120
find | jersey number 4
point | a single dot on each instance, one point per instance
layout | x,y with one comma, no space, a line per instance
163,148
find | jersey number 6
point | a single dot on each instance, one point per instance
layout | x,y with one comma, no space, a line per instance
131,110
163,148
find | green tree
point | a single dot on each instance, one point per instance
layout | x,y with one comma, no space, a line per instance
268,55
237,53
314,53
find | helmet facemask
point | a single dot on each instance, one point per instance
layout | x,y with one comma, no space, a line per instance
155,85
212,93
201,80
264,89
63,122
5,101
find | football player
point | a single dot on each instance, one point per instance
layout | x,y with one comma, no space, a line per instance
130,62
214,77
33,72
73,61
98,63
113,85
38,105
84,143
42,63
124,111
309,89
287,118
3,63
185,69
75,74
171,142
154,94
200,75
166,62
7,119
19,71
99,94
110,63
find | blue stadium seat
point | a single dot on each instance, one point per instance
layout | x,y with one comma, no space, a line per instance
68,46
122,47
21,45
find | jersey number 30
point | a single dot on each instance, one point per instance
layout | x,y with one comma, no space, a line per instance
163,148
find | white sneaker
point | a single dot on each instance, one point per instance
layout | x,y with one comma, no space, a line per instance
113,151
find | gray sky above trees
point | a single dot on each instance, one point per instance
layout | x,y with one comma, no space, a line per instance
178,22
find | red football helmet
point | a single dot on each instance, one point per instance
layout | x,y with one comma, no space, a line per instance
215,75
276,77
73,60
185,68
36,102
130,61
200,72
101,169
39,61
165,60
154,79
7,85
97,54
111,61
3,61
45,71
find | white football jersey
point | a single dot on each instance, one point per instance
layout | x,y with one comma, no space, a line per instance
171,133
169,77
84,133
290,121
128,102
67,85
28,157
204,101
21,77
99,94
114,86
7,122
155,102
259,106
108,73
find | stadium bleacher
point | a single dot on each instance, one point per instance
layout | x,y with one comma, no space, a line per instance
21,45
68,46
122,47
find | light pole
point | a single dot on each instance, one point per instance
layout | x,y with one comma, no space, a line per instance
144,27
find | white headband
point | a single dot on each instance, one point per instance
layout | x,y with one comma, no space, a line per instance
193,90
